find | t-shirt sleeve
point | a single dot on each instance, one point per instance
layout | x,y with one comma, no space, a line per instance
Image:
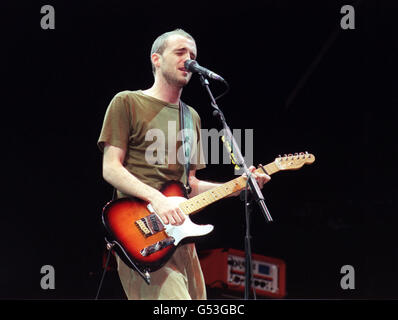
116,125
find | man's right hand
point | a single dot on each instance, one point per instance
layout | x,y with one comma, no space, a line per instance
168,210
117,175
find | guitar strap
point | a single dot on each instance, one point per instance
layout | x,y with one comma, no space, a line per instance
186,125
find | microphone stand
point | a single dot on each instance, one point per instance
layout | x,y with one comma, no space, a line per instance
257,196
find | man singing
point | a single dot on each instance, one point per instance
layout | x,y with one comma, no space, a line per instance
128,119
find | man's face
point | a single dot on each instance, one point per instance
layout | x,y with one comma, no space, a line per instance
171,62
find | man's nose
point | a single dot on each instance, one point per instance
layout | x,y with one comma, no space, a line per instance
187,56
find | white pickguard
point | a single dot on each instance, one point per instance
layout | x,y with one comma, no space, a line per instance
187,229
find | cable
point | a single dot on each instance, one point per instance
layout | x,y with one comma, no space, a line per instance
225,92
109,247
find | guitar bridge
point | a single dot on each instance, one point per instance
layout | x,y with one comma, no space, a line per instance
143,228
157,246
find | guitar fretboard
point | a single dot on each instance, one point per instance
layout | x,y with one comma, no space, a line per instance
206,198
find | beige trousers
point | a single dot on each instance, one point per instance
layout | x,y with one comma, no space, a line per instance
181,278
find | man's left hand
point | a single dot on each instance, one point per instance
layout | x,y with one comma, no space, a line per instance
261,178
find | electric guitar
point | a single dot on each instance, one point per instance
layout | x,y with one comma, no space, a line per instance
144,242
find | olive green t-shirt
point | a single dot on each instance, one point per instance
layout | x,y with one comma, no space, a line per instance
149,130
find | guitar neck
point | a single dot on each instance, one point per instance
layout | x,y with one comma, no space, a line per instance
206,198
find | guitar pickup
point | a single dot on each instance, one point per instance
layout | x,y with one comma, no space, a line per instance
157,246
150,225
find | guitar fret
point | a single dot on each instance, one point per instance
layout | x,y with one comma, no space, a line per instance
199,201
270,168
210,196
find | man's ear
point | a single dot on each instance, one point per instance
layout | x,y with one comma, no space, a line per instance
156,59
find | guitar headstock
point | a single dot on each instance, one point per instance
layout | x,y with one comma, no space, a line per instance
294,161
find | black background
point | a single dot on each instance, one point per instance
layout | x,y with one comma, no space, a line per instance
341,210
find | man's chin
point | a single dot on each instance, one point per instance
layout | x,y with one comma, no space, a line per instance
182,82
178,81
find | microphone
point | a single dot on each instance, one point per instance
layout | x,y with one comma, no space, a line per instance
193,66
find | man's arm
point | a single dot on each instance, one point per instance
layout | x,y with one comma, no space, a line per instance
199,186
118,176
